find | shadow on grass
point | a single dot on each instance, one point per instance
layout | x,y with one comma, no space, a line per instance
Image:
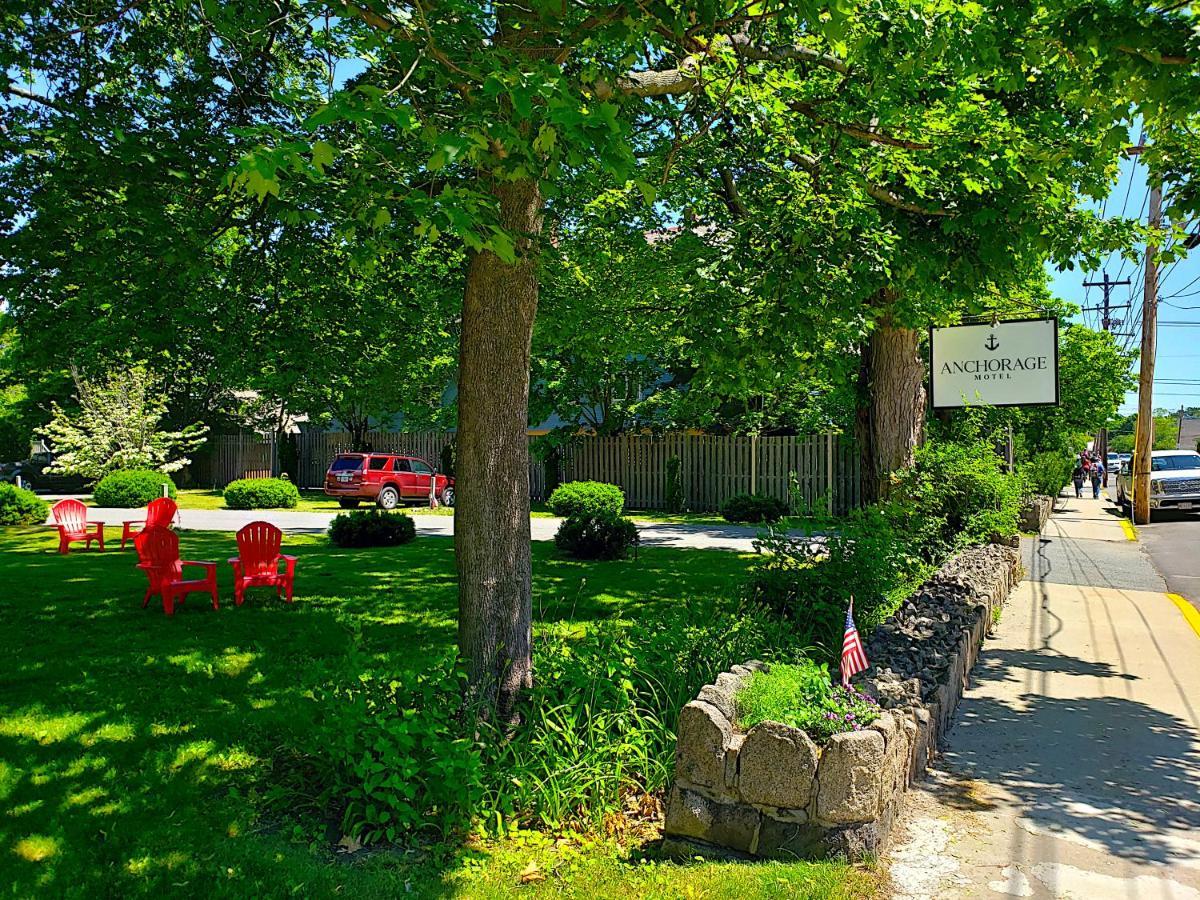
138,752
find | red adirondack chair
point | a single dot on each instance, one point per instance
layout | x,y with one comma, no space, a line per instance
257,562
158,552
71,518
160,511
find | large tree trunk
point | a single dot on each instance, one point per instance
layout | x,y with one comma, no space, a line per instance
491,515
891,411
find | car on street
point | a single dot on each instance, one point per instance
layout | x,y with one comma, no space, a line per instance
1174,480
34,476
386,479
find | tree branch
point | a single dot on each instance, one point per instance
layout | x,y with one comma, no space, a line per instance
16,91
372,18
855,130
744,47
877,192
733,199
883,195
103,21
650,84
1163,58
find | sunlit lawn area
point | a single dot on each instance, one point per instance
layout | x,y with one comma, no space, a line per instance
138,754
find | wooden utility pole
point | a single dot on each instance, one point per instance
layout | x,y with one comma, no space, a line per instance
1144,442
1106,322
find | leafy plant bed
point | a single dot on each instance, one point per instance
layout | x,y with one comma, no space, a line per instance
771,791
802,696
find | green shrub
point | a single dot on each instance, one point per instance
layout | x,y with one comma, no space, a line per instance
755,508
19,506
809,579
371,528
956,495
802,696
587,498
131,488
673,486
396,757
1046,473
261,493
599,536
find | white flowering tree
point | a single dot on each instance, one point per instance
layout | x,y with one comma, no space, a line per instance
118,427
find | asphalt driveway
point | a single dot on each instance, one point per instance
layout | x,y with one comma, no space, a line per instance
737,538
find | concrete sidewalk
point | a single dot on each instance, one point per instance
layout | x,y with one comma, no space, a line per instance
1073,767
697,537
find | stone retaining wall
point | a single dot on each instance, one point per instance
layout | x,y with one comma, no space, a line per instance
1034,513
773,793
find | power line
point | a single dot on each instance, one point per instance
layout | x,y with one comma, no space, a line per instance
1184,288
1141,213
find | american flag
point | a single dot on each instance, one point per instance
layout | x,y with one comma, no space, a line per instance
853,658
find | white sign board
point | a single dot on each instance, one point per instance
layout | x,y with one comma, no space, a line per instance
1009,364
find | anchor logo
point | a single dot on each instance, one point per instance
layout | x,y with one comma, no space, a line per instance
991,343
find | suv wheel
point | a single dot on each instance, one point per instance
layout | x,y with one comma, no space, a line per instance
447,498
389,498
347,503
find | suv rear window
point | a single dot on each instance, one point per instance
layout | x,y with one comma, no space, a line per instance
346,464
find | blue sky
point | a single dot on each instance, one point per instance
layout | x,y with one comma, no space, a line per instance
1178,358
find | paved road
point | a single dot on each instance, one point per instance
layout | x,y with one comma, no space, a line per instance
1172,540
704,537
1073,767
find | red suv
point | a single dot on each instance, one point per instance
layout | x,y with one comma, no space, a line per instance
387,478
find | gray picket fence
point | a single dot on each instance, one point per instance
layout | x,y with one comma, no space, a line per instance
811,471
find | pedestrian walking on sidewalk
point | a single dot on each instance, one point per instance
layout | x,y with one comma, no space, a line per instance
1097,476
1077,478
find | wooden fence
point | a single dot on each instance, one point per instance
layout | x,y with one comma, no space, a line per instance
814,471
227,457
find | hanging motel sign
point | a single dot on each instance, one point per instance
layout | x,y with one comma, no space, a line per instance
1012,363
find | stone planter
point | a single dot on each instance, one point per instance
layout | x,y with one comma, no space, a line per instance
773,793
1034,513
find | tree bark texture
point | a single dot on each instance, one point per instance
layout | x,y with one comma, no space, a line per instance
491,514
891,412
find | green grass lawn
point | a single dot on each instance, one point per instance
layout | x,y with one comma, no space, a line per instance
139,753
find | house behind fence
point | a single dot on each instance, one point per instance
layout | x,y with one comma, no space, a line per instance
814,471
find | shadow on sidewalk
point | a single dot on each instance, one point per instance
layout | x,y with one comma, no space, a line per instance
1106,772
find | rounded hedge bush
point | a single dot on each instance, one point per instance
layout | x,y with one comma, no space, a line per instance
587,498
261,493
131,488
754,508
371,528
601,536
19,506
